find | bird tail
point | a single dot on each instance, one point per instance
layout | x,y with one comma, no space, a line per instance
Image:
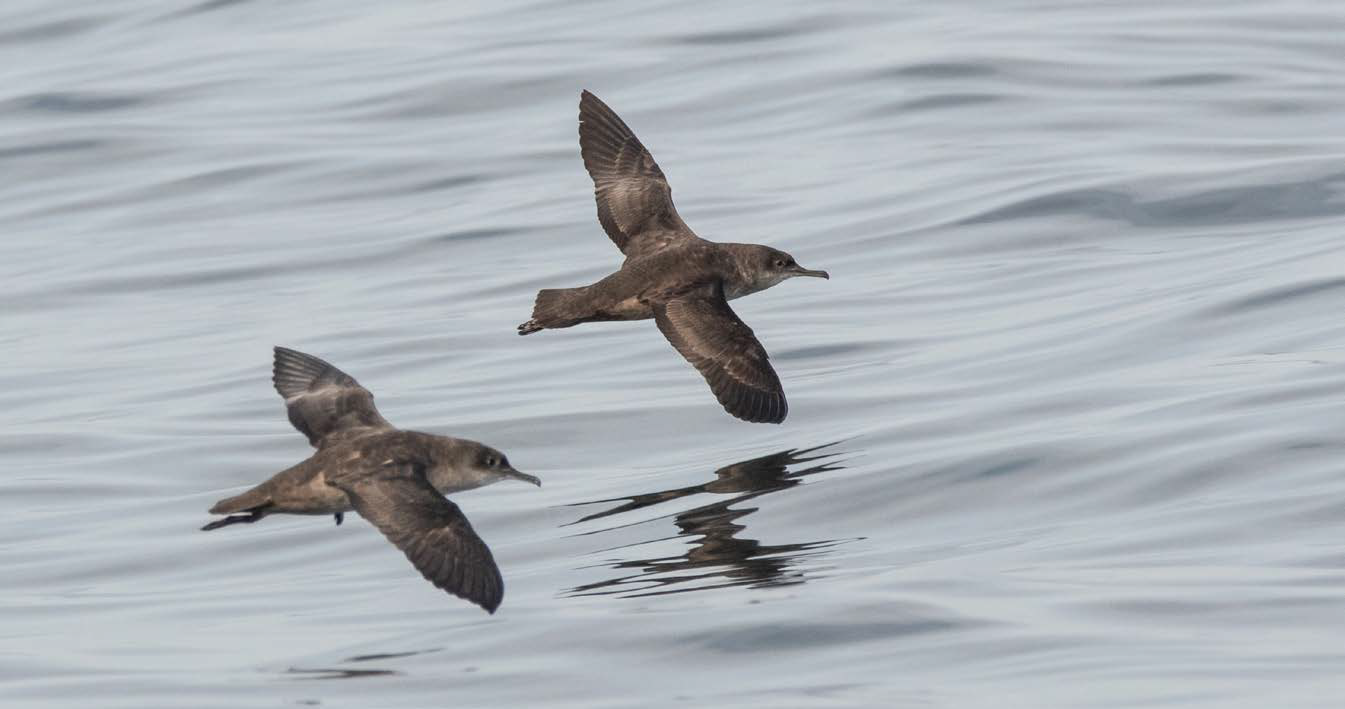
247,507
250,500
554,308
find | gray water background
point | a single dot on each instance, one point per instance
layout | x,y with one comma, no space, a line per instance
1082,355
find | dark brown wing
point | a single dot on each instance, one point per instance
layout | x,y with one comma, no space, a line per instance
430,530
323,402
635,204
710,335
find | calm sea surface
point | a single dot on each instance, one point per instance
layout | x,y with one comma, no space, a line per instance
1067,424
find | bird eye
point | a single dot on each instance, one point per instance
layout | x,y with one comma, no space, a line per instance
779,263
490,461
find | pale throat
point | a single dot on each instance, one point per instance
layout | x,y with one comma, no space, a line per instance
747,279
741,286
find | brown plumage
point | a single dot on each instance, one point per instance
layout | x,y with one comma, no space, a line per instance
670,274
321,400
433,533
395,479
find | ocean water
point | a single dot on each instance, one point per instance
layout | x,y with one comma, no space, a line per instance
1066,422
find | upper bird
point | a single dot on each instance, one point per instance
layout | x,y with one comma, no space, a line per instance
395,479
680,280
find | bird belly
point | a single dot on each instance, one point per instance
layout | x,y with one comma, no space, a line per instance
314,497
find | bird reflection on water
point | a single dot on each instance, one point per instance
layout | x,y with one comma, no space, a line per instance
718,558
355,673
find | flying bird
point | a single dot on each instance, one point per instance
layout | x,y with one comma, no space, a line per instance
395,479
670,274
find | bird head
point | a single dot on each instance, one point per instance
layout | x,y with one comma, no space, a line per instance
470,465
772,266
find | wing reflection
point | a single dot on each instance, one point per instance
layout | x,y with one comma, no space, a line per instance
337,673
355,673
718,558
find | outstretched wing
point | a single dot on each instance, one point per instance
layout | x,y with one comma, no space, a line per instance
430,530
700,324
323,402
635,204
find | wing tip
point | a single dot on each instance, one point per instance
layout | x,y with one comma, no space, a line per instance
751,404
761,414
288,354
598,122
293,371
488,597
588,98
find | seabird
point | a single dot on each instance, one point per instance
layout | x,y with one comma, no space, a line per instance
395,479
670,274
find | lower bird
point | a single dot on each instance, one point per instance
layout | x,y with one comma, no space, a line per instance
395,479
670,274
